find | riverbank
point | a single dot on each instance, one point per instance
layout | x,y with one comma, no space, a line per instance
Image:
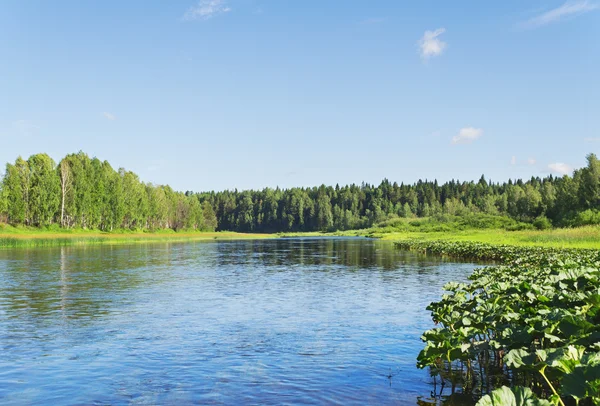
11,237
582,237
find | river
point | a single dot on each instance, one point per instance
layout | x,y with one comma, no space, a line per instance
284,321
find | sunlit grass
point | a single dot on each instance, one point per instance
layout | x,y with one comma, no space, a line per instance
582,237
13,237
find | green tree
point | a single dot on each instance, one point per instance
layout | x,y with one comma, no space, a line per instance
210,218
590,183
3,204
44,189
12,190
323,210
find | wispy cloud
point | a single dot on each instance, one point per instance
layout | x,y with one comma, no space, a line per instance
568,9
531,161
430,45
592,139
24,128
560,167
109,116
467,135
513,160
206,9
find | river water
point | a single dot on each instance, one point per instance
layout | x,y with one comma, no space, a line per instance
286,321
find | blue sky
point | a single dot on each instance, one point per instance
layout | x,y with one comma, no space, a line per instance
222,94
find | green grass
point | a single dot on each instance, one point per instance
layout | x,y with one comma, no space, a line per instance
582,237
486,229
475,228
15,237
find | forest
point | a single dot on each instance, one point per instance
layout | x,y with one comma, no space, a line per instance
84,192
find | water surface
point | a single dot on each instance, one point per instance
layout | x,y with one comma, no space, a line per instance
290,321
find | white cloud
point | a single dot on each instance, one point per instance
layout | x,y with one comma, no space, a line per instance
24,128
531,161
561,168
467,135
568,9
206,9
513,160
430,45
109,116
592,139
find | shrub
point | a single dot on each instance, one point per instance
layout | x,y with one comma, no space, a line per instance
542,223
586,218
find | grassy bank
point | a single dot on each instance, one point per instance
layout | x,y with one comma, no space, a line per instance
487,229
14,237
584,237
484,229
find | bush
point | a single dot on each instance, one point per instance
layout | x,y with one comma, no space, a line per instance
542,223
586,218
55,228
520,227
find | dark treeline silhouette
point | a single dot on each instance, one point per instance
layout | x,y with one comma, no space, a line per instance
85,192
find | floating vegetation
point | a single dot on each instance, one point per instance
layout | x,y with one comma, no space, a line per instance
523,333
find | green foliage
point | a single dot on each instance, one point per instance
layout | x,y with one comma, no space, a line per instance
44,189
586,217
85,192
542,223
449,223
518,396
534,320
89,194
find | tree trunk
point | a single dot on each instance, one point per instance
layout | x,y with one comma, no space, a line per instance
64,185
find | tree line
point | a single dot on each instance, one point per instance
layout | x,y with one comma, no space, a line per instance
85,192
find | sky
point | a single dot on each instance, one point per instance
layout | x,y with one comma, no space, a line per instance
223,94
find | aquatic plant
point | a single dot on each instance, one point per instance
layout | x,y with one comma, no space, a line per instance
533,323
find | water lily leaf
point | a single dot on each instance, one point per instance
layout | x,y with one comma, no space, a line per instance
512,316
542,355
592,359
571,325
512,397
568,359
552,338
593,299
543,298
574,384
518,358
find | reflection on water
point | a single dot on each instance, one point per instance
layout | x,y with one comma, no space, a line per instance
315,321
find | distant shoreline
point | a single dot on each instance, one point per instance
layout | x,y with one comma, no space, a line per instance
579,237
40,238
